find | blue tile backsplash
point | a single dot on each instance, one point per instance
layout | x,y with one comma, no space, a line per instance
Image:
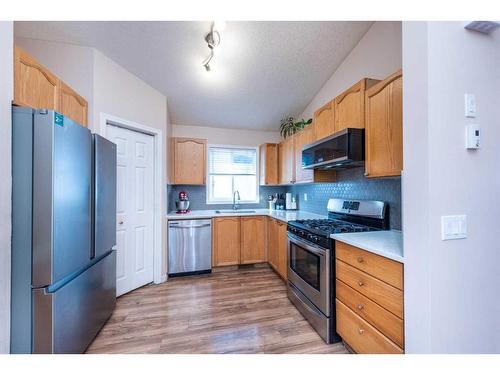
351,184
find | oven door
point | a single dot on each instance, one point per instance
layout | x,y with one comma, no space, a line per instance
309,271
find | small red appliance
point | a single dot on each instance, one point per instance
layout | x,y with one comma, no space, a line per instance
183,203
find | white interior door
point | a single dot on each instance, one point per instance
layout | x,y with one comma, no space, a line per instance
134,206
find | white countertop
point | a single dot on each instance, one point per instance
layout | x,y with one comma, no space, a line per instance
387,243
282,215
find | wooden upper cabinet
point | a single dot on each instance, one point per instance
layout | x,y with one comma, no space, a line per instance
253,240
269,167
302,138
226,242
287,161
350,106
324,121
188,161
384,127
72,105
34,85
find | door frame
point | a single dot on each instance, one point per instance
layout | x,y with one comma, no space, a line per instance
107,119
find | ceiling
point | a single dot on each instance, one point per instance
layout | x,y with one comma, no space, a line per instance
262,72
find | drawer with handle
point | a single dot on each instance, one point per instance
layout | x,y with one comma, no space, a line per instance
383,294
386,322
382,268
361,335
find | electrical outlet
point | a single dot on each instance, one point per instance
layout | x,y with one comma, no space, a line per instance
305,197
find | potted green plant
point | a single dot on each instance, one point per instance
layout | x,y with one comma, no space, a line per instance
288,127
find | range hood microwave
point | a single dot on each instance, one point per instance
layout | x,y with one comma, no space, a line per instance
344,149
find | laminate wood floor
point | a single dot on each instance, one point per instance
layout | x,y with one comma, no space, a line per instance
238,311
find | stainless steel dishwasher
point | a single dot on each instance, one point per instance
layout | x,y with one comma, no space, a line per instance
189,247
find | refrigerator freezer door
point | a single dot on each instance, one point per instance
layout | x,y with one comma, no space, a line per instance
62,172
67,320
104,195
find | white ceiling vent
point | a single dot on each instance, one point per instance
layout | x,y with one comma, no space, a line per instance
485,27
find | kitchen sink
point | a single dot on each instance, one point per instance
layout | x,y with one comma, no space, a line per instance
234,211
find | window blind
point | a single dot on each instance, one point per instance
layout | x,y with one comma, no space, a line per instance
232,161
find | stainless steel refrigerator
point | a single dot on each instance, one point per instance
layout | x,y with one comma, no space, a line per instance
63,233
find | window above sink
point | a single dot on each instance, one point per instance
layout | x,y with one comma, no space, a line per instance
231,168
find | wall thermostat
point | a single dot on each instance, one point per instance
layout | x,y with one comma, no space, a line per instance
472,136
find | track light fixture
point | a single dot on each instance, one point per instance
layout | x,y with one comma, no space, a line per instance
213,40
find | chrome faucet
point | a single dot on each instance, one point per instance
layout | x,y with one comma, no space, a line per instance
235,205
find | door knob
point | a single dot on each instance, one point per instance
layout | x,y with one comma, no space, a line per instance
120,222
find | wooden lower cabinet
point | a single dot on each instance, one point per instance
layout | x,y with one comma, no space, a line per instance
361,335
369,300
386,322
387,270
253,239
282,250
226,241
239,240
272,243
277,246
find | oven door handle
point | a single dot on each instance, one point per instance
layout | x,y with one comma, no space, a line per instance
308,246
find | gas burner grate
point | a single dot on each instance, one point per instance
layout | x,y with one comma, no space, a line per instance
329,226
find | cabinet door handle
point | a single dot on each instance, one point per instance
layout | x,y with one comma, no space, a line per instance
361,331
360,260
360,283
360,307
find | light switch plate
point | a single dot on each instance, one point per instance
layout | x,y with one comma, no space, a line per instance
470,105
305,197
453,227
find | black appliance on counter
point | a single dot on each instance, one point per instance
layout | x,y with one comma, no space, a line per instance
344,149
311,257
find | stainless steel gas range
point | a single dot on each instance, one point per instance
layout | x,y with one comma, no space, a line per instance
311,256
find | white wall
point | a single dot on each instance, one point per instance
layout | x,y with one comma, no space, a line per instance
226,136
377,55
415,189
451,287
6,95
120,93
71,63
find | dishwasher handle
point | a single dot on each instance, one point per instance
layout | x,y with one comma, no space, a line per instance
181,224
176,226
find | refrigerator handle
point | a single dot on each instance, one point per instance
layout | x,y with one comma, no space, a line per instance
92,201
